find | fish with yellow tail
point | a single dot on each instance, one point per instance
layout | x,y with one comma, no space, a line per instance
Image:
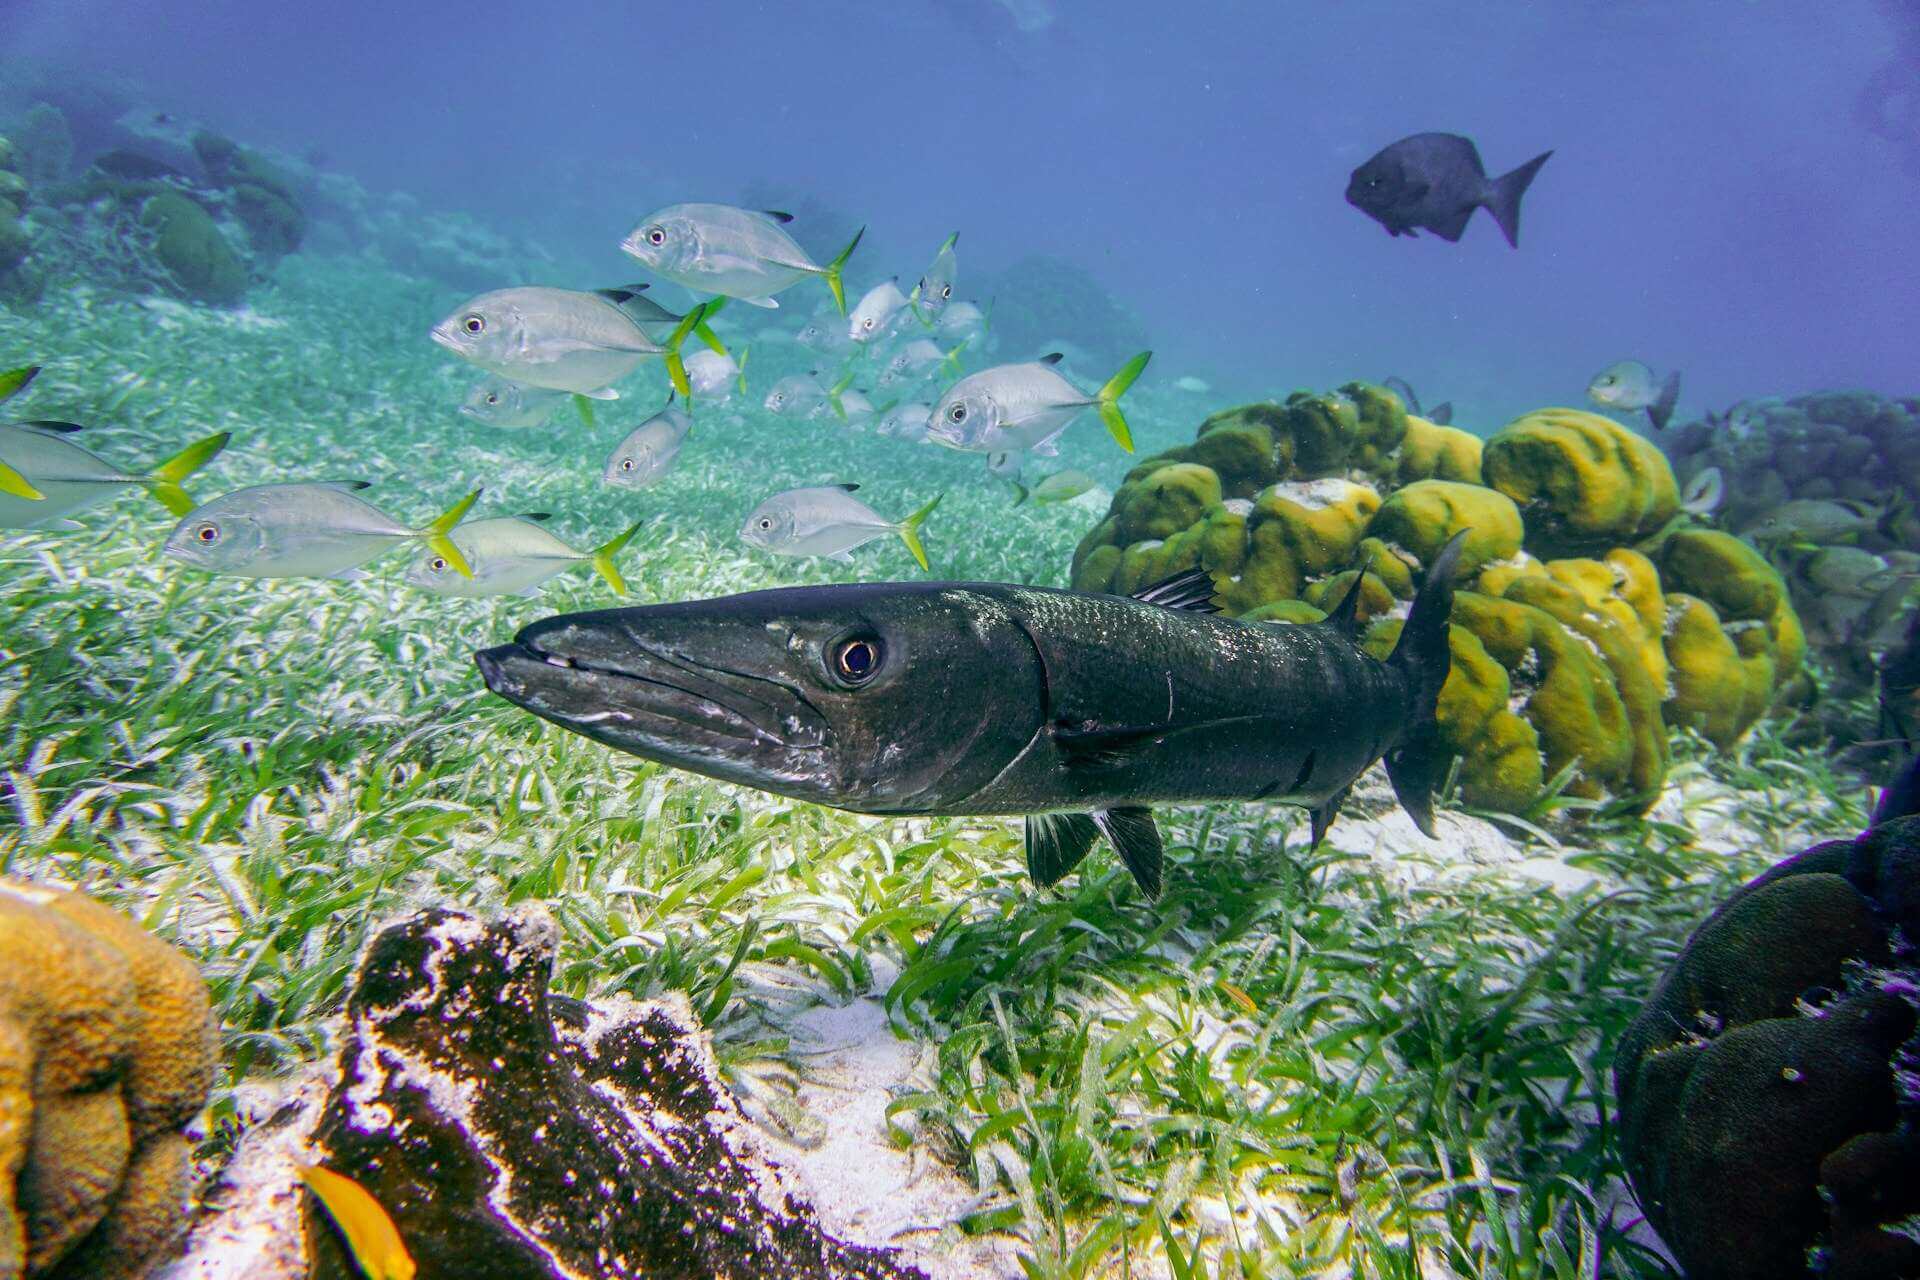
1020,407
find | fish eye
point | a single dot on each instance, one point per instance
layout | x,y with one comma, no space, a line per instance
656,235
493,397
208,533
946,291
779,397
867,323
856,660
958,413
438,564
626,464
474,324
766,524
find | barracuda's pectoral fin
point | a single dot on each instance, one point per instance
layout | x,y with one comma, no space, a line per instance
1136,838
1056,842
1192,590
1323,815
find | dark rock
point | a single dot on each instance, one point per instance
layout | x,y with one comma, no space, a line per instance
1760,1088
514,1134
189,245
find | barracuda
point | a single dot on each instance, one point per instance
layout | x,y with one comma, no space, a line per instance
1077,711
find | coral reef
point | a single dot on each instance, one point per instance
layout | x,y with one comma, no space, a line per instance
1767,1125
510,1132
106,1053
1590,619
196,256
20,280
1827,485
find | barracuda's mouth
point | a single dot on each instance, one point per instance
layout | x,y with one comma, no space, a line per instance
653,701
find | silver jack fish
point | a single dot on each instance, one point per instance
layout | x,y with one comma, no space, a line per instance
1018,407
738,253
61,479
649,450
513,555
1078,711
1632,387
12,483
935,290
310,530
502,402
827,520
562,339
878,314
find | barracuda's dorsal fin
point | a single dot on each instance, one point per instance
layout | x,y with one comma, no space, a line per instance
1056,842
1345,617
1192,590
1136,839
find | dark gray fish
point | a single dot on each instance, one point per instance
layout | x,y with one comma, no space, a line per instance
1434,181
978,698
1441,415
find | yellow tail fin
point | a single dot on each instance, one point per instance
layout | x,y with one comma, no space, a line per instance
832,271
15,485
1108,399
910,532
165,480
436,533
371,1237
602,559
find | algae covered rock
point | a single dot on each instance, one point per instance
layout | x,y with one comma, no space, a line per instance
509,1133
1765,1120
1429,451
106,1054
1582,482
189,245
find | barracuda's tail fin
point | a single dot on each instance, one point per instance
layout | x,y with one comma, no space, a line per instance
1416,762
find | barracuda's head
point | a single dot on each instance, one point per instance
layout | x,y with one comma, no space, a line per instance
885,698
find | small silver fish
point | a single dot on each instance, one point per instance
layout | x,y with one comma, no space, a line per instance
502,402
1061,486
878,314
850,406
919,359
962,321
1006,463
1023,406
904,421
649,450
512,555
828,520
69,479
561,339
716,376
935,290
798,395
739,253
1630,386
824,334
1704,493
308,530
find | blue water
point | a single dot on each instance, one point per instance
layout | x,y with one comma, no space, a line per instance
1717,200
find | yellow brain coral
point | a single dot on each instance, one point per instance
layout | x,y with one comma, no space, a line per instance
106,1052
1422,516
1581,481
1429,451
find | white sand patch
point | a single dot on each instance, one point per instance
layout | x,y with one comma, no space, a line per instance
863,1187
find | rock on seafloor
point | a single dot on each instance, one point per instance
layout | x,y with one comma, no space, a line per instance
512,1133
1769,1090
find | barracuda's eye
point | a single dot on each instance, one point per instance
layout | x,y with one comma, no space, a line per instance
856,660
474,324
208,533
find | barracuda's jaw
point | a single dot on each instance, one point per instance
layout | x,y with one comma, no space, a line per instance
666,706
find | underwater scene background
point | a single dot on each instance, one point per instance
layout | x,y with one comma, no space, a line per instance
1644,1005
